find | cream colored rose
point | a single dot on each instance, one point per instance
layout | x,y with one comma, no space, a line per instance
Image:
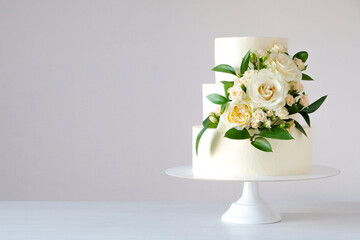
238,115
291,128
298,86
235,93
279,48
259,115
217,110
282,113
299,63
267,89
304,100
283,64
289,100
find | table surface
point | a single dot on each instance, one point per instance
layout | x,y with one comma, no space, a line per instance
141,220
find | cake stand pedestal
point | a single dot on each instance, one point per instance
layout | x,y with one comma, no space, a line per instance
251,208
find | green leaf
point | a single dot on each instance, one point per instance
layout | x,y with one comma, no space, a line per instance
293,109
306,117
276,132
198,139
306,77
299,127
234,133
227,85
223,108
262,144
245,63
217,99
315,105
224,68
301,55
243,88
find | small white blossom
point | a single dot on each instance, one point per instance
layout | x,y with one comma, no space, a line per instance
260,53
213,119
299,63
269,113
254,124
268,123
217,110
279,48
235,93
298,86
259,115
282,113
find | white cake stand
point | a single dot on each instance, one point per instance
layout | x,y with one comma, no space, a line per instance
250,208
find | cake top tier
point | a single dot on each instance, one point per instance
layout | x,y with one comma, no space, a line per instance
231,50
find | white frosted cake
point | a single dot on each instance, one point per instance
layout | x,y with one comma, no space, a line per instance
252,112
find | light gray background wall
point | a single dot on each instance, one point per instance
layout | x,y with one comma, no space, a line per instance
97,98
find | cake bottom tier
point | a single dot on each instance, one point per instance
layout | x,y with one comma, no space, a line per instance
222,158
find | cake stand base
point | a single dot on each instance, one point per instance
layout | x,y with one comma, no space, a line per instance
250,208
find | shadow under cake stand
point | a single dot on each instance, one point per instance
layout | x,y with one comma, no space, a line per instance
251,208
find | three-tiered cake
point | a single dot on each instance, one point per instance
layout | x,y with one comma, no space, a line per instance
252,112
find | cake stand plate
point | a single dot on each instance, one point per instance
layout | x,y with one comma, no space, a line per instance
251,208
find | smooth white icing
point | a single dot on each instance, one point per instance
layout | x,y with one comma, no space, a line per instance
222,158
231,51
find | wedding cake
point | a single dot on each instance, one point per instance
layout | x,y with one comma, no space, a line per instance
252,112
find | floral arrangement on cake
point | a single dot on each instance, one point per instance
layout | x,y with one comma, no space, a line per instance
261,101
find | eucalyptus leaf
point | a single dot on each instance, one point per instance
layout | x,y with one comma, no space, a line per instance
306,77
225,68
299,127
217,99
315,105
198,139
227,85
306,117
234,133
245,63
276,132
301,55
262,144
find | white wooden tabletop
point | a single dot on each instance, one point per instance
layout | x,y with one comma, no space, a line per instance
160,221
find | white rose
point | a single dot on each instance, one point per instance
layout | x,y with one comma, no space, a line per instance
299,63
298,86
289,100
260,53
304,100
238,114
259,115
268,123
267,89
279,48
217,110
235,93
282,113
283,64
